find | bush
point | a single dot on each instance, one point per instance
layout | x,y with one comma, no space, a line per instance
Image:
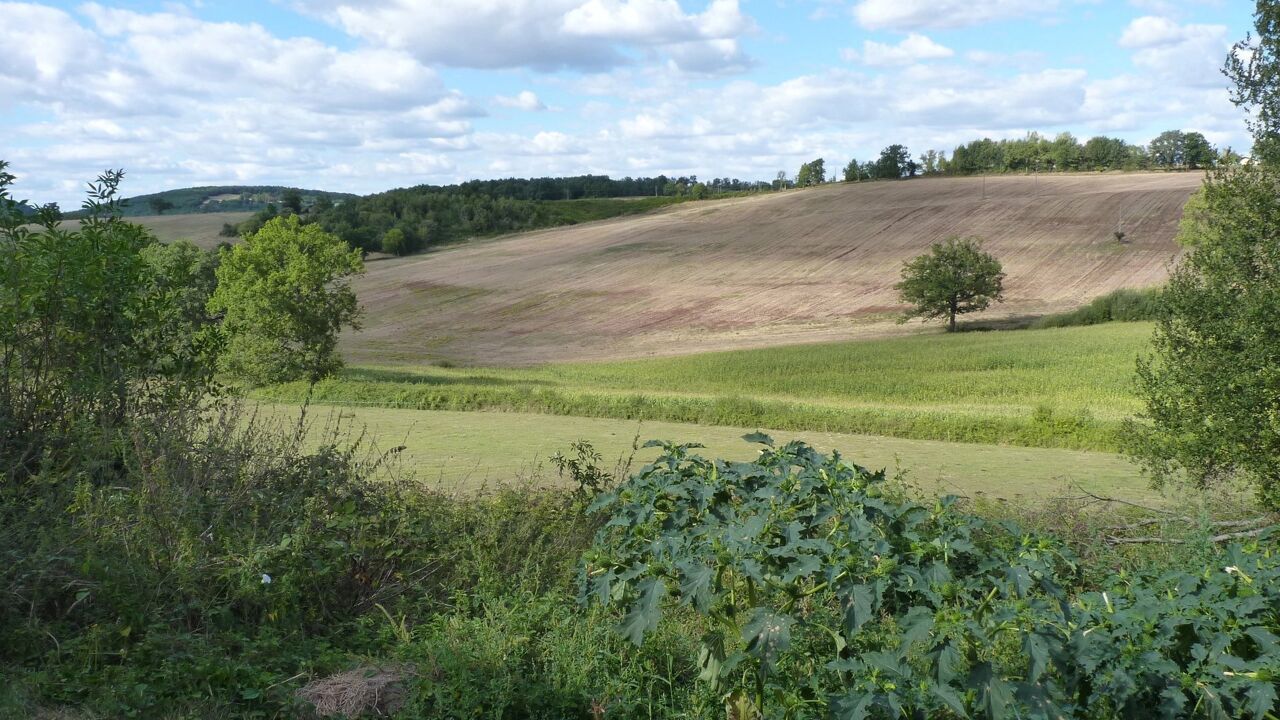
1124,305
826,592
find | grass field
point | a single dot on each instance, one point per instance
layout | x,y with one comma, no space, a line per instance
1064,388
466,450
200,228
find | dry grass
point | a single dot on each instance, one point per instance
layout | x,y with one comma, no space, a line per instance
200,228
364,691
800,266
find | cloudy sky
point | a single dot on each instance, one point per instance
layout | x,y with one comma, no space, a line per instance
365,96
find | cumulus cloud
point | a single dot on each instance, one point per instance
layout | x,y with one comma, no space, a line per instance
1186,55
920,14
526,100
541,34
914,48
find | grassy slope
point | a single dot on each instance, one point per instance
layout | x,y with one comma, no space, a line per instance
773,269
468,449
1066,388
200,228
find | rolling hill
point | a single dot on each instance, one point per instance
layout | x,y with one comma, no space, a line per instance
218,199
800,266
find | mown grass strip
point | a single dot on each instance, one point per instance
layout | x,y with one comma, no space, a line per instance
1076,431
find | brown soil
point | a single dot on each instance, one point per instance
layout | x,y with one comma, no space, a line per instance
800,266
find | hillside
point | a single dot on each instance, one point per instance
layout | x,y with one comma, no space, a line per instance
220,199
798,266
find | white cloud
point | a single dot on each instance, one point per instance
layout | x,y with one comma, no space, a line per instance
541,34
920,14
1183,55
914,48
526,100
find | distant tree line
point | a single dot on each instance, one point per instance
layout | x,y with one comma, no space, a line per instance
407,220
592,186
1171,150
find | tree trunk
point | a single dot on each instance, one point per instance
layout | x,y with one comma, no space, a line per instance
952,317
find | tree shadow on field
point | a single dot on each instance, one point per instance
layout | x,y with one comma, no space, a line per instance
420,378
1014,322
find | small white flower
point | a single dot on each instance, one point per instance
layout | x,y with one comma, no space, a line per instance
1230,569
266,579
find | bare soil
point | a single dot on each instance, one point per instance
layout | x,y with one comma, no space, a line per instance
798,266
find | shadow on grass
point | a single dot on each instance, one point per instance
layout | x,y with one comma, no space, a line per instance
1015,322
418,378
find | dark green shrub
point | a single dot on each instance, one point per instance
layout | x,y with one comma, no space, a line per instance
826,593
1124,305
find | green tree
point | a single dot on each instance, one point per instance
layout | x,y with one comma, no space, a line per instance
394,243
811,173
159,205
1197,152
895,162
291,201
1253,67
285,293
1168,149
1064,152
1212,385
91,327
955,277
853,171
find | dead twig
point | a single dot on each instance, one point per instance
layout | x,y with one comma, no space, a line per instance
1113,540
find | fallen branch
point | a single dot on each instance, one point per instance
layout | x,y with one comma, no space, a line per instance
1186,519
1113,540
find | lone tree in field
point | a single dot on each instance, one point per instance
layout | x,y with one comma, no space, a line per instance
285,293
955,277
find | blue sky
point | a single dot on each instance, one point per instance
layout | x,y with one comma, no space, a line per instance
365,96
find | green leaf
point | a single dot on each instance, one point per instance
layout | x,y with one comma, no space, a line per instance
1261,698
916,625
759,438
767,634
857,608
695,583
994,695
646,611
853,706
950,699
1037,652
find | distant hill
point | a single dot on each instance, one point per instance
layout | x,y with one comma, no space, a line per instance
220,199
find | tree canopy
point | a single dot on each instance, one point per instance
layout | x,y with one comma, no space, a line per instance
955,277
284,294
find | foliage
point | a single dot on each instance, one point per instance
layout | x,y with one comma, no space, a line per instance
1124,305
394,242
1253,67
583,469
895,162
428,216
826,592
1211,389
92,326
954,278
284,293
1175,149
811,173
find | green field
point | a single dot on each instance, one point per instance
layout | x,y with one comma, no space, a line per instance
1057,388
470,449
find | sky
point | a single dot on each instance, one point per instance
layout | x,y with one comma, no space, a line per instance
366,96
